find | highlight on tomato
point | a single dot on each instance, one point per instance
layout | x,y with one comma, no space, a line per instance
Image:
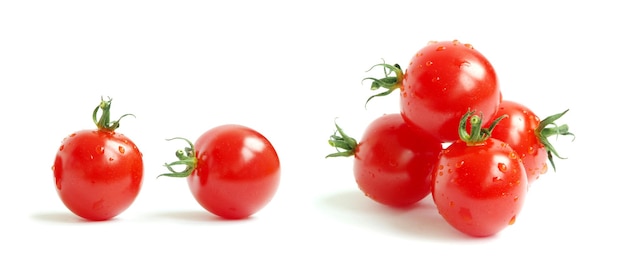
98,173
479,182
442,81
528,136
232,170
392,162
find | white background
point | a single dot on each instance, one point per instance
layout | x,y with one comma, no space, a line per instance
288,69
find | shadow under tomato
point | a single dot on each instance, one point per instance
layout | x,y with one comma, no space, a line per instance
420,220
197,216
65,218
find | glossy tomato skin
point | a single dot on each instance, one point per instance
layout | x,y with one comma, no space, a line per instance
98,174
443,81
393,163
237,172
518,130
479,190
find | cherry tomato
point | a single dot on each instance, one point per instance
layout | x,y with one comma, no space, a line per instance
528,136
232,170
479,183
442,81
392,162
98,173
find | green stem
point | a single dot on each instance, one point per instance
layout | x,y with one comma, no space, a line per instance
186,157
345,145
543,132
388,82
104,122
477,135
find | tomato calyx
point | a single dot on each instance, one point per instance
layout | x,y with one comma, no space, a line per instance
388,82
104,122
543,132
344,144
186,157
477,135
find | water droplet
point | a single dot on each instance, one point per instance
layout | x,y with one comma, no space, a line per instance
456,42
465,214
516,198
451,203
121,149
100,149
73,134
435,79
513,155
110,159
429,63
52,167
502,167
469,46
441,167
495,179
532,150
440,173
544,168
459,164
61,147
512,220
441,48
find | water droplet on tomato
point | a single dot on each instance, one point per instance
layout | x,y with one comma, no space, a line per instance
513,155
61,147
121,149
110,159
532,150
441,48
100,149
429,63
465,214
469,46
502,167
435,79
512,220
544,168
516,198
451,203
456,42
459,164
73,134
495,179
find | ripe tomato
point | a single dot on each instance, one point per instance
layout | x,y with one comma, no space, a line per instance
528,136
479,183
98,173
233,171
392,163
442,81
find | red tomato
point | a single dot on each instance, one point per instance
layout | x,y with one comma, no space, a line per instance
527,135
392,163
479,183
443,81
233,171
98,173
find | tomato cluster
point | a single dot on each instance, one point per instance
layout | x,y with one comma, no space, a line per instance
233,171
454,137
